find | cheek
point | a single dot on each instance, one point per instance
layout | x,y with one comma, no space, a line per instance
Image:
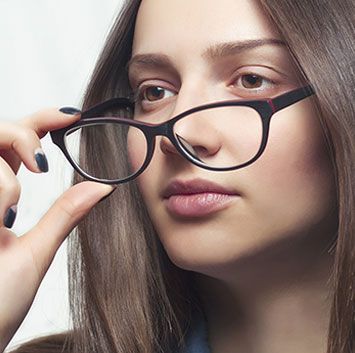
136,149
294,174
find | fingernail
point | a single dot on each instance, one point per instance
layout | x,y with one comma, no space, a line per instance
10,216
41,160
108,194
69,110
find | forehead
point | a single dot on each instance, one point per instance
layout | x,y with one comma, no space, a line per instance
171,25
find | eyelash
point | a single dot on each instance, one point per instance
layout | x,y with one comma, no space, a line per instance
138,93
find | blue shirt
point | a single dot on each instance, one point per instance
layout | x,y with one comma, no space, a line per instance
197,340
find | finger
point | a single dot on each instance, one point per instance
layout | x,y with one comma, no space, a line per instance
10,190
46,237
24,138
11,158
49,119
25,143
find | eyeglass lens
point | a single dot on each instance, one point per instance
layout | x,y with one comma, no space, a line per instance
219,137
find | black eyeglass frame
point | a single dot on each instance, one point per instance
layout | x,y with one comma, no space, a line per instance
265,107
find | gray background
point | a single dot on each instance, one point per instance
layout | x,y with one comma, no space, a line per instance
48,50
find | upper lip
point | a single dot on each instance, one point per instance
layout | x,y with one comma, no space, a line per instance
195,186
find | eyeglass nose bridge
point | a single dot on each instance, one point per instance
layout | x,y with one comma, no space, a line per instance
165,129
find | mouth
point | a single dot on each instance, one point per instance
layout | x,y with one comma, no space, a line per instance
197,198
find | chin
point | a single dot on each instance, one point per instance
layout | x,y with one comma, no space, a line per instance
210,257
222,255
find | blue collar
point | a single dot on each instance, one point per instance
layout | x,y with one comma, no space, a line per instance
197,340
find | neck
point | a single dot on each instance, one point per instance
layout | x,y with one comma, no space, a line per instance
275,301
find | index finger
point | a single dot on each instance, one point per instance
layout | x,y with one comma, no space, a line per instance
49,119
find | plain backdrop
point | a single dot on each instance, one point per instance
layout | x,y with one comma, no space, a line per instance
48,51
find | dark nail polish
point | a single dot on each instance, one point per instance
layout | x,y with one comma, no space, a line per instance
10,216
108,194
69,110
41,160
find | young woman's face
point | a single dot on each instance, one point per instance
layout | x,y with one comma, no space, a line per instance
286,194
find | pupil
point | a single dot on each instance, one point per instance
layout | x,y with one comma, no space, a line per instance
251,80
155,93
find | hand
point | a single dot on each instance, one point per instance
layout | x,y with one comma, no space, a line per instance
25,260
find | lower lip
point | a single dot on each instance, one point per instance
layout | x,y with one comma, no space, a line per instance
197,205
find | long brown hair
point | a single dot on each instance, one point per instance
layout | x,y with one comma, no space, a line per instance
125,294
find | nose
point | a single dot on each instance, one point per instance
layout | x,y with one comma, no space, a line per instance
167,147
197,134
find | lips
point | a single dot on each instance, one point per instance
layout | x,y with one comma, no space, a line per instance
197,197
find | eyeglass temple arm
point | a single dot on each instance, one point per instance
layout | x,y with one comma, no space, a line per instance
119,102
276,104
289,98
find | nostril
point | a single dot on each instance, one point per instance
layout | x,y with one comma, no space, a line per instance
198,150
194,151
166,146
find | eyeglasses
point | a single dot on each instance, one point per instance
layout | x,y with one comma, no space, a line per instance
220,136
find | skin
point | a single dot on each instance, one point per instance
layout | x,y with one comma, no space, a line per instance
25,259
262,260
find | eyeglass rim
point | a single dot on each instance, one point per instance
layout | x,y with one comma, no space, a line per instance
266,108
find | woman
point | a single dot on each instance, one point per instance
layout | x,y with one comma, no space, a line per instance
186,257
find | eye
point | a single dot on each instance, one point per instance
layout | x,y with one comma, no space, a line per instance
253,82
151,93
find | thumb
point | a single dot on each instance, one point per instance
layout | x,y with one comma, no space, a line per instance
66,212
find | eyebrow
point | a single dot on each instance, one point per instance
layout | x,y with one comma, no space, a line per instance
221,50
214,52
